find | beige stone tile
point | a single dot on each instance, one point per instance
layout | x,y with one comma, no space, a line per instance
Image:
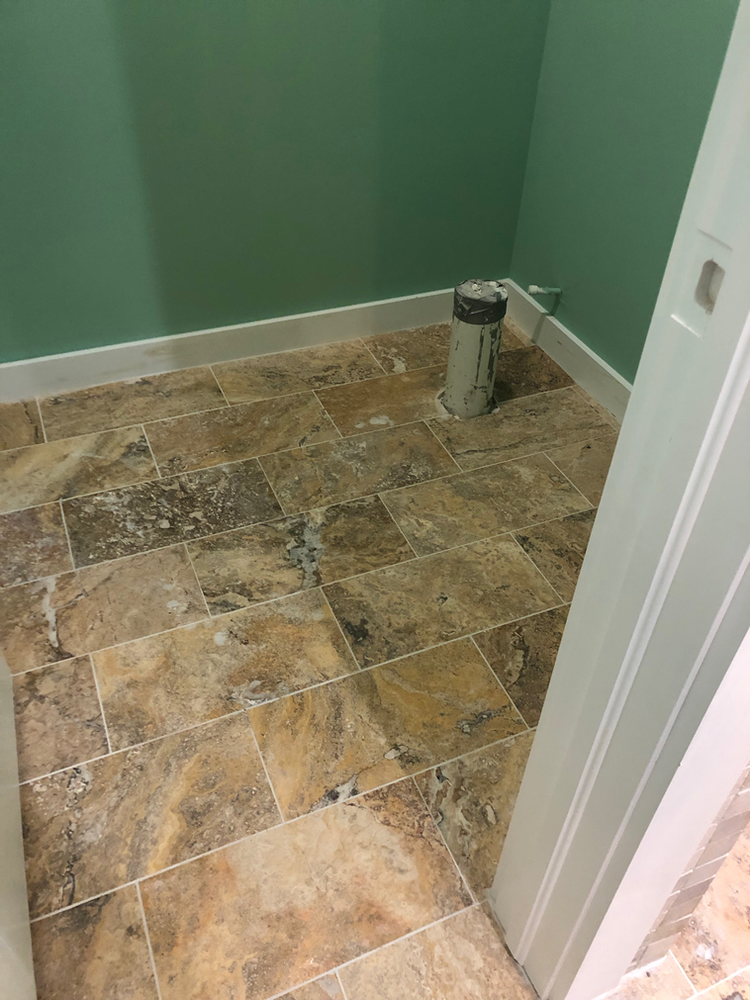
521,427
73,466
294,371
522,654
663,980
118,404
58,719
20,424
167,682
735,988
474,505
293,903
63,616
403,609
99,825
462,958
94,951
182,444
342,470
243,567
335,741
425,346
32,544
386,401
526,371
326,988
586,464
558,548
472,801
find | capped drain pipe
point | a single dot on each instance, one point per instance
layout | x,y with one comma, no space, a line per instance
478,310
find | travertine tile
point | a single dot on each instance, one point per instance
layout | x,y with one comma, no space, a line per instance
73,466
335,741
294,371
254,564
167,682
118,404
424,346
462,958
63,616
473,505
236,432
99,825
558,547
20,425
32,544
521,427
586,464
522,654
386,401
326,988
472,801
58,719
663,980
342,470
164,511
735,988
293,903
403,609
526,371
95,951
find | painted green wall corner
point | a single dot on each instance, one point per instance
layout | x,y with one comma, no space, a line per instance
178,165
624,94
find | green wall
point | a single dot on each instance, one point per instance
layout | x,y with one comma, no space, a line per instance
172,165
624,93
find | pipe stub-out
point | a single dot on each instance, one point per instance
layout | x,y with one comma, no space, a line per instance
480,301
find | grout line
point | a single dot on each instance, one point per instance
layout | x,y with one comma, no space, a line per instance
148,940
265,769
73,566
568,479
344,637
218,383
101,707
375,359
710,989
41,419
461,875
340,433
398,528
153,456
687,977
500,683
341,985
460,469
513,536
200,587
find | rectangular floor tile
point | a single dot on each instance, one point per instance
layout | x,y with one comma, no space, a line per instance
95,951
118,404
326,988
64,616
20,424
423,346
58,719
32,544
386,401
73,466
292,903
558,548
526,371
473,505
294,371
521,427
334,741
254,564
167,682
342,470
164,511
406,608
586,464
244,431
94,827
472,801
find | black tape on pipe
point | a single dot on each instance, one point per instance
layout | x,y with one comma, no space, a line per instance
480,301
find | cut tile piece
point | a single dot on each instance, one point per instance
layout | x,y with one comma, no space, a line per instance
294,371
526,371
99,825
96,951
522,654
32,544
586,464
472,801
165,511
171,681
473,505
236,432
244,567
20,425
406,608
558,548
338,740
63,616
424,346
521,427
386,401
118,404
326,988
58,719
73,466
663,980
295,902
342,470
462,958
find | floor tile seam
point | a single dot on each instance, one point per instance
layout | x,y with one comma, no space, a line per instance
197,580
372,355
707,989
611,419
218,383
159,473
262,760
531,561
444,842
569,480
330,417
147,933
70,548
101,706
337,977
450,456
347,644
399,529
502,687
685,975
38,403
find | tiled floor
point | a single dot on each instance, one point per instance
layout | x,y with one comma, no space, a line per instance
281,632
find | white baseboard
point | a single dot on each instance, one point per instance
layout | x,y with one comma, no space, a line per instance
592,373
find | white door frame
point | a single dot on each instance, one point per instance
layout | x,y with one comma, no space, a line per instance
596,843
